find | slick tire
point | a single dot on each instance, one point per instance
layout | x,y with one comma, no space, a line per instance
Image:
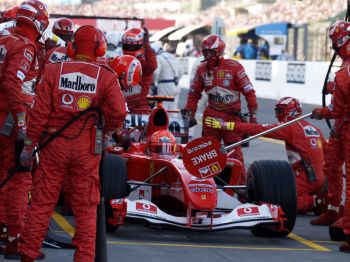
114,183
273,181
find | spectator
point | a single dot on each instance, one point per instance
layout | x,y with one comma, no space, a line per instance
284,56
239,53
264,51
250,51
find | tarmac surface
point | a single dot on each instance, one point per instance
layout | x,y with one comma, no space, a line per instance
139,242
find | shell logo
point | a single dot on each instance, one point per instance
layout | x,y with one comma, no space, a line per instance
83,102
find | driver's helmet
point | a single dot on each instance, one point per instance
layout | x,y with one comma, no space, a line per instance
288,107
161,143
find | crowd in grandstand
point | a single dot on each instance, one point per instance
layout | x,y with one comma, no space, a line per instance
281,10
292,11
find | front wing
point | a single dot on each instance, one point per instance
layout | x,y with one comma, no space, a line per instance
243,216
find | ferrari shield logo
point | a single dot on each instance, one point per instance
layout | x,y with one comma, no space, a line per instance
221,74
214,168
204,197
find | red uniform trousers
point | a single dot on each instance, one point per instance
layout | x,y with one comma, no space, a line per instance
344,135
2,195
306,191
63,157
333,171
14,196
227,136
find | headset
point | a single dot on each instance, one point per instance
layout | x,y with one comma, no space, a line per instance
101,45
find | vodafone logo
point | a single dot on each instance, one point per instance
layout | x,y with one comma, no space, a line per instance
248,211
67,99
142,207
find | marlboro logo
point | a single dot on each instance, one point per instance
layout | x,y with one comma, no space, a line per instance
77,82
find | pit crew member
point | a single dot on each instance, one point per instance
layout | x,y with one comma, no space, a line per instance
55,52
339,35
166,77
304,145
332,167
66,89
18,72
224,81
135,42
114,44
7,20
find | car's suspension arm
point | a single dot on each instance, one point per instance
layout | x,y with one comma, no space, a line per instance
160,171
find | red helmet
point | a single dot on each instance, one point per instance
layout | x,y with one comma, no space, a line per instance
63,28
132,42
339,33
288,107
213,48
33,12
162,142
9,14
128,69
87,41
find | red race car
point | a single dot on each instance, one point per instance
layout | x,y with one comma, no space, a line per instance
194,185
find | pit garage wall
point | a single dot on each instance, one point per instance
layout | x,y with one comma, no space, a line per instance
276,79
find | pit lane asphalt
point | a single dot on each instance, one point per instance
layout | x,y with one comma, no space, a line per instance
138,242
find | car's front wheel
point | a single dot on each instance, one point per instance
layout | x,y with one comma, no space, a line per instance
273,182
114,183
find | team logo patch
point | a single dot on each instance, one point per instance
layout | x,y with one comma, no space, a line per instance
131,71
228,76
24,65
28,54
222,95
221,74
242,74
58,57
311,131
20,75
83,102
78,82
226,83
208,78
21,119
67,99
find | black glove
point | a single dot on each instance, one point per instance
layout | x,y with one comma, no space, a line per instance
26,159
193,122
145,36
21,134
122,137
189,114
24,154
186,113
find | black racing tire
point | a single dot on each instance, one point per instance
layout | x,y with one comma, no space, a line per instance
273,182
336,233
114,183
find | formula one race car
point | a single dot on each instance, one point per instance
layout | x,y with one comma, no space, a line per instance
194,185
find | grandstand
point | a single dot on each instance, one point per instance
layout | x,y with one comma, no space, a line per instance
236,14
